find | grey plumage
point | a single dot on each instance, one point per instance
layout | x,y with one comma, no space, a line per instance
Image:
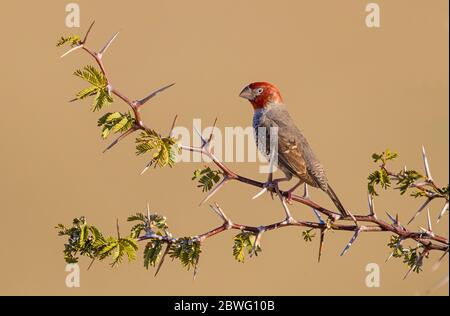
295,156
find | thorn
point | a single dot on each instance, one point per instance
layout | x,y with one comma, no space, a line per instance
151,95
71,50
418,261
306,197
396,247
147,166
166,251
103,50
426,165
420,209
371,205
203,140
444,209
289,217
439,261
214,191
117,227
148,211
87,33
353,218
196,269
389,257
118,139
352,240
212,131
173,125
393,220
109,89
430,228
257,195
440,284
261,230
321,221
90,264
322,237
305,191
216,208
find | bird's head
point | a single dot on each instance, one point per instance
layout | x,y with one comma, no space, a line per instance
261,94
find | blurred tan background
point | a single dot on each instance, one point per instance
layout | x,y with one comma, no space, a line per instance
352,90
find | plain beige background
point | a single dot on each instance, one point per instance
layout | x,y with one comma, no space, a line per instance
352,90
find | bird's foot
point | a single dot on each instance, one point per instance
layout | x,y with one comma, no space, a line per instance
289,197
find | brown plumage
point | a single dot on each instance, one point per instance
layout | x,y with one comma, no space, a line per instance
295,156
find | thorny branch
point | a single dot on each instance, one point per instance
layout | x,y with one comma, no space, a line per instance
371,223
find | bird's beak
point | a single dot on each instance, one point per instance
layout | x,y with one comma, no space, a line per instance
246,93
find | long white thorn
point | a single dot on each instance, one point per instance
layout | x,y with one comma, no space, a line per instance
257,241
103,50
257,195
426,165
444,209
215,190
71,50
396,247
352,240
147,166
371,205
289,217
430,228
420,210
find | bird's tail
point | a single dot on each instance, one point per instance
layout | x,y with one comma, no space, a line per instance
336,201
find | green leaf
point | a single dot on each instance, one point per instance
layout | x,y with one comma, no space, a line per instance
161,148
73,40
244,242
87,92
378,177
98,88
406,179
102,98
116,122
308,235
187,250
207,178
152,253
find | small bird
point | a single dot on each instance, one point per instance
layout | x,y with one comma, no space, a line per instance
295,156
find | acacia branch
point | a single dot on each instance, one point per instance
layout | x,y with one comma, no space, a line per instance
360,223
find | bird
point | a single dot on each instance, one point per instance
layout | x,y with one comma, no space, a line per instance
294,156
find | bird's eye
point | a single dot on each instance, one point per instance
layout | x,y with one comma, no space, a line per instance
259,91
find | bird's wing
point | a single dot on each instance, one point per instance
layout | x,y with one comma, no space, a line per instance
294,151
290,155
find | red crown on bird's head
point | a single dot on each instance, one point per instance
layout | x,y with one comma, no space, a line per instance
261,94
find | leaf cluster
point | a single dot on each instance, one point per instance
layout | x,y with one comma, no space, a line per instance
244,242
72,40
98,88
187,250
116,122
308,235
162,149
411,256
207,178
87,240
